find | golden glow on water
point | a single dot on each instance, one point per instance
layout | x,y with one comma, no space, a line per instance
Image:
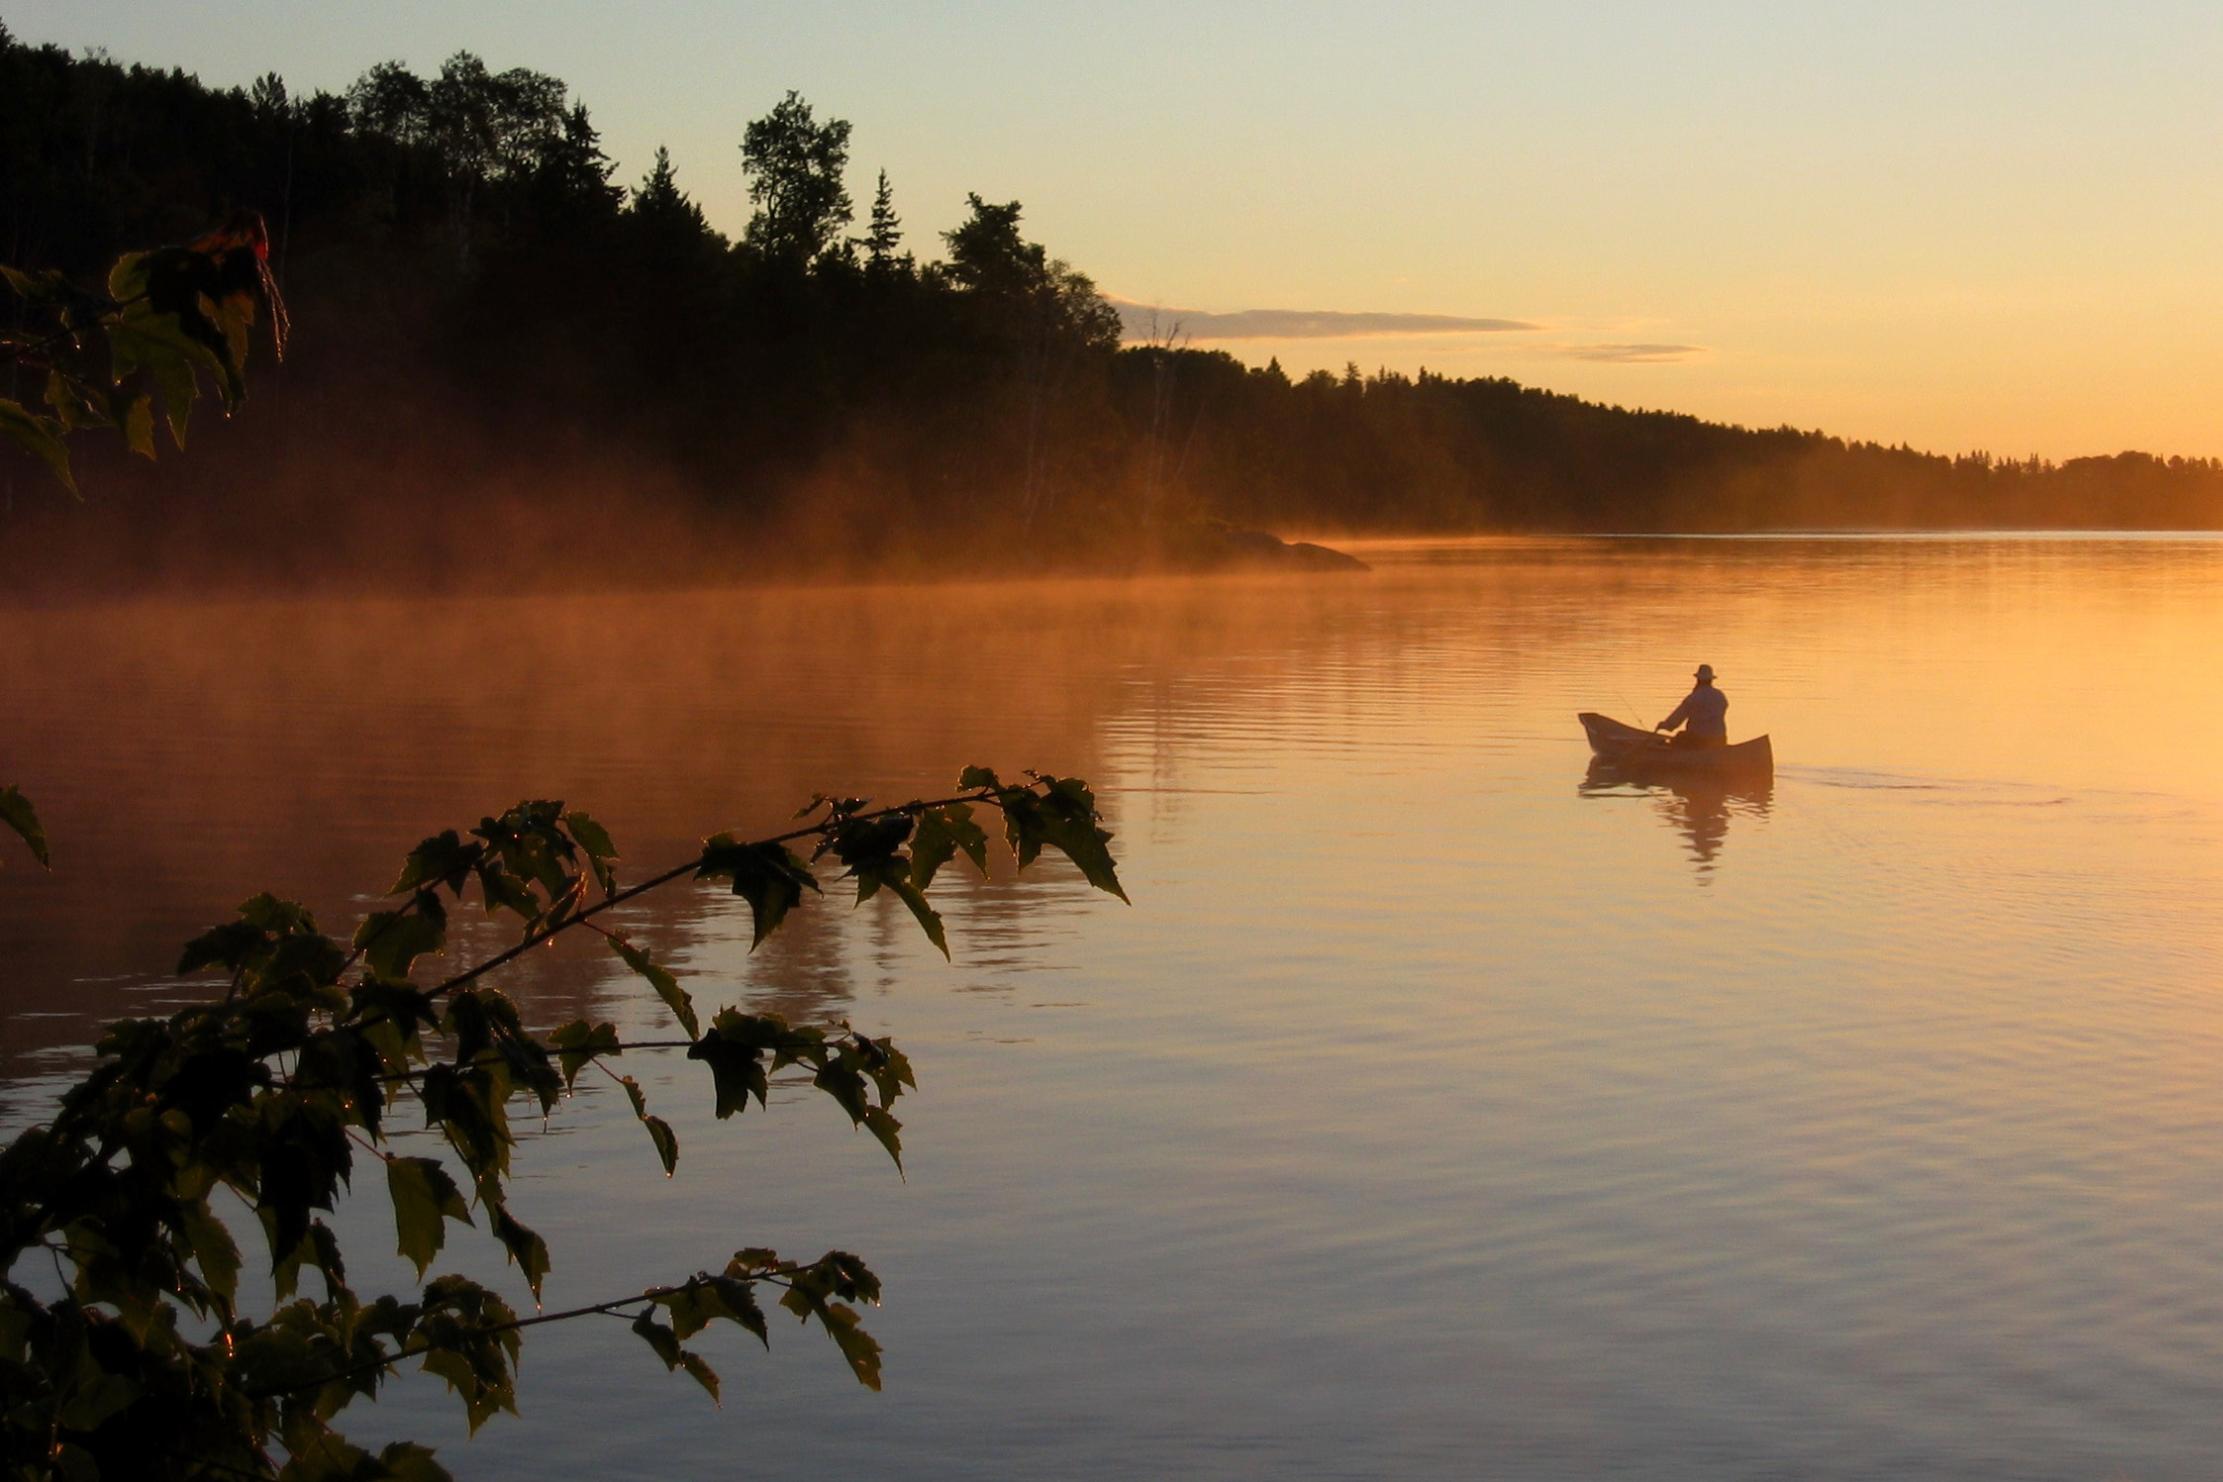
1431,1111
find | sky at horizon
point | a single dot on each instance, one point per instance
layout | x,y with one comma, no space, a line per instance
1958,226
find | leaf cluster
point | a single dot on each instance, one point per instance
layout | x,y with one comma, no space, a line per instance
256,1109
169,317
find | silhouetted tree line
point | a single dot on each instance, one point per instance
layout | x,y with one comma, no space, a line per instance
497,340
1430,452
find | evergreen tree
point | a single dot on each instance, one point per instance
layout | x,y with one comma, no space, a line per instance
660,204
886,231
573,173
987,255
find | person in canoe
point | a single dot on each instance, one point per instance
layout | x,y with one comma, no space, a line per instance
1703,715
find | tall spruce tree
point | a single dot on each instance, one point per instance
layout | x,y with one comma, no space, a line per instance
886,231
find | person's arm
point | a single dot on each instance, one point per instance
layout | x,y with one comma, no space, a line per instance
1675,717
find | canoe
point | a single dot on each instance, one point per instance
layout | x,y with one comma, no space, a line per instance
1633,750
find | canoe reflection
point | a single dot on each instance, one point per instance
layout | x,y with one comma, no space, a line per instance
1698,807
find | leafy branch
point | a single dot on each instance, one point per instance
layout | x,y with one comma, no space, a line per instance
814,1289
272,1091
169,317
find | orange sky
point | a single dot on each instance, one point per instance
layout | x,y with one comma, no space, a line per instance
1953,225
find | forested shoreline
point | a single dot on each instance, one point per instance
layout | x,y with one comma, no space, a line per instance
508,360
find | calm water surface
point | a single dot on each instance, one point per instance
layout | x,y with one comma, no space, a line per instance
1431,1112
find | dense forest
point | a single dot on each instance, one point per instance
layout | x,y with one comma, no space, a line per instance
498,341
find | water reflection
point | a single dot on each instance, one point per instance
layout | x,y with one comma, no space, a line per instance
1898,1131
1699,808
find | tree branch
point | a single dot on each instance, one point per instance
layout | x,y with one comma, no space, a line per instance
772,1276
582,917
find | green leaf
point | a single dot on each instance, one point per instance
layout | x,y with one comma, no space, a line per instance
701,1373
466,1105
841,1323
693,1307
527,1249
424,1198
75,404
39,436
1064,817
191,303
889,1067
740,1300
768,876
658,1337
457,1329
180,389
862,842
882,1124
481,1396
738,1297
506,891
391,940
38,289
942,833
214,1250
633,1091
18,814
666,986
127,279
929,919
975,778
736,1072
595,840
158,344
578,1043
847,1087
856,1345
138,426
443,859
319,1247
667,1145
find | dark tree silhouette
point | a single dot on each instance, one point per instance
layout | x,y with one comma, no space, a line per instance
795,169
659,204
499,332
886,231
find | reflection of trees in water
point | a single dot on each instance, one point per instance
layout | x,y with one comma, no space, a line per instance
1699,808
156,763
828,959
802,972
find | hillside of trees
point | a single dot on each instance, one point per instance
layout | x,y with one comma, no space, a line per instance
498,341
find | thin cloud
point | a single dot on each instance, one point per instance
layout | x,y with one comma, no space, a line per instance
1627,354
1143,321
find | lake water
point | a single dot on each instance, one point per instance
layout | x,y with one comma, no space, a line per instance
1431,1113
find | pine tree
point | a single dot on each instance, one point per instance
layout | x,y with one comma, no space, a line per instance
659,202
886,232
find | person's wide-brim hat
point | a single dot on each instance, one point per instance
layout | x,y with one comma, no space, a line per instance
1705,671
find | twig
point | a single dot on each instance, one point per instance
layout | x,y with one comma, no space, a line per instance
773,1275
665,877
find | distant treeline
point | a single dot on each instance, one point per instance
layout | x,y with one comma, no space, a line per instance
495,341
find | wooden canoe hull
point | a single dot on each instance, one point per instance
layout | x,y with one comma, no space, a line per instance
1633,750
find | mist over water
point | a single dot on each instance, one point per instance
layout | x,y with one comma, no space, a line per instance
1433,1112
